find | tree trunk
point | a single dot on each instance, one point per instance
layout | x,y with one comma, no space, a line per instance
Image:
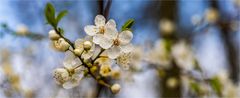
168,10
231,52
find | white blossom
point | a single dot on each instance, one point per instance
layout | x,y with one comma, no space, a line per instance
159,55
76,72
99,28
116,43
85,47
183,55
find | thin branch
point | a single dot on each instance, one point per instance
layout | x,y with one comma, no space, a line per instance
100,6
107,8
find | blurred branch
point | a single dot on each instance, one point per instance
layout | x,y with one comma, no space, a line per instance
168,10
100,6
107,8
28,34
232,57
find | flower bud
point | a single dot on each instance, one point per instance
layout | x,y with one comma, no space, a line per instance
166,26
22,30
115,88
61,44
115,74
87,45
211,15
61,75
172,82
53,35
78,52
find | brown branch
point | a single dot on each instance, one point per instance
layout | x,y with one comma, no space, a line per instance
107,8
100,6
169,11
232,57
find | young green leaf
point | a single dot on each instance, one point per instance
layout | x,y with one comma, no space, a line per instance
61,15
216,85
128,24
50,14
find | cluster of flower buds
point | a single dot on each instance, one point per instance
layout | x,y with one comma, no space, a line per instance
96,55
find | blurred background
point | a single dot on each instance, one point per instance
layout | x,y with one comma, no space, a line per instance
27,62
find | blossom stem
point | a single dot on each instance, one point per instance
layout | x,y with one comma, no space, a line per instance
69,42
102,50
89,72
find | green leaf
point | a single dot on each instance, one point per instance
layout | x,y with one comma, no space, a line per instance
128,24
195,87
61,15
216,85
50,14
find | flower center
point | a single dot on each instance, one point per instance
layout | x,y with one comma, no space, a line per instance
116,42
102,30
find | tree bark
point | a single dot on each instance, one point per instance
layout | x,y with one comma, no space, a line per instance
168,10
231,52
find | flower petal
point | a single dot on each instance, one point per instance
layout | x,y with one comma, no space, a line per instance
69,57
79,43
99,20
111,23
113,52
125,37
70,84
111,33
91,30
97,38
126,48
106,43
87,54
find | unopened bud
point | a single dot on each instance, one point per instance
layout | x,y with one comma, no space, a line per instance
78,52
61,44
115,88
87,45
22,30
172,82
53,35
211,15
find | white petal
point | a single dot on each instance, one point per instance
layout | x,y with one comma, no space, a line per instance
99,20
87,54
111,33
111,23
97,38
125,37
126,48
79,43
69,57
91,30
89,38
106,43
70,84
113,52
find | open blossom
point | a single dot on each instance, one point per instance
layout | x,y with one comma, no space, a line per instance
72,73
124,60
159,55
100,27
84,47
105,70
183,55
116,43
